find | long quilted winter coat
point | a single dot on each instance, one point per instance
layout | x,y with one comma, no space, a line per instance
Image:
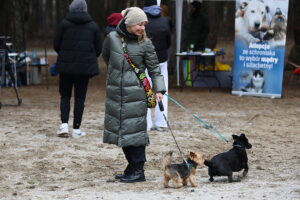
126,109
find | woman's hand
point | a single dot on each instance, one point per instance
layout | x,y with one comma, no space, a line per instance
159,96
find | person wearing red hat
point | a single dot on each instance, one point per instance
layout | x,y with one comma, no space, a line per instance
112,22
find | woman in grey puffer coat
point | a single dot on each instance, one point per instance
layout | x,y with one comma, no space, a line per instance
126,108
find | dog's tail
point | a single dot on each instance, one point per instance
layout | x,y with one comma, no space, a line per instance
208,163
167,159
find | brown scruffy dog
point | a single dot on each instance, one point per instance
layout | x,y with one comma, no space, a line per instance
181,173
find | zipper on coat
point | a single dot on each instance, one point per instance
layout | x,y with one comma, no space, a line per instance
121,100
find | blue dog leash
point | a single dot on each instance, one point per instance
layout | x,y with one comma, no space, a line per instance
197,118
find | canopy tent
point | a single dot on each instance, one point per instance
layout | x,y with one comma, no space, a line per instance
179,5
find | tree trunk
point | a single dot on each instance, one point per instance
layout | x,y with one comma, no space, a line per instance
228,21
62,7
214,12
49,18
17,25
4,18
296,20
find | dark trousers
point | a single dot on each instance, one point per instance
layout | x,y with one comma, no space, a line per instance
66,83
136,156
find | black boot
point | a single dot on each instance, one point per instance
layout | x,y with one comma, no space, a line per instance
127,172
136,176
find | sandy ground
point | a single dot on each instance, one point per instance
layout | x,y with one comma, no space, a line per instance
36,164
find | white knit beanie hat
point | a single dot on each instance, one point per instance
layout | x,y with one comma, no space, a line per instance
133,16
78,6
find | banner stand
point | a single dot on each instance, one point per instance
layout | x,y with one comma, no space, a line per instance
260,38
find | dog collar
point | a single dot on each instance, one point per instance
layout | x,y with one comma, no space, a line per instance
239,146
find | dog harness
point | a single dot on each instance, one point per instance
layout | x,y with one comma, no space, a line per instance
192,164
186,168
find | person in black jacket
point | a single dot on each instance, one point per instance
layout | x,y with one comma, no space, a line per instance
196,29
158,30
78,44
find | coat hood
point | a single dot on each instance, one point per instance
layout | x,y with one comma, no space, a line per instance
153,10
78,17
121,29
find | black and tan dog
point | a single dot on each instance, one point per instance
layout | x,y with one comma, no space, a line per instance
181,173
234,160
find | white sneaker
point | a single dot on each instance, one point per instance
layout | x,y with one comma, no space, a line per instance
77,133
63,130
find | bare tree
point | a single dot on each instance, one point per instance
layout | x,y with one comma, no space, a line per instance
18,21
31,19
215,12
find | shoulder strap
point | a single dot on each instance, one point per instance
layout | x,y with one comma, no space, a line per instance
151,102
126,55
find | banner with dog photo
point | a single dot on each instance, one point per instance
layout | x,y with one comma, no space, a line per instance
260,36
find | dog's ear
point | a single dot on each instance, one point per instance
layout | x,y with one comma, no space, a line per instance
267,9
243,135
235,137
244,4
192,155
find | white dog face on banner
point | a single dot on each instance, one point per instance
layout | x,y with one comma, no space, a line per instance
250,20
255,15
